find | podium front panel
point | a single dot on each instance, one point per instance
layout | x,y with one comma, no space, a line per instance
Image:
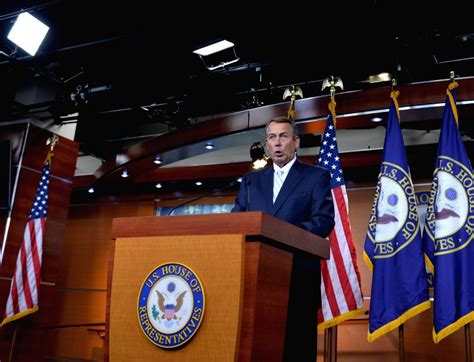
218,261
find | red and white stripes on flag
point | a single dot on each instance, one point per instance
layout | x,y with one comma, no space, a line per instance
24,289
341,294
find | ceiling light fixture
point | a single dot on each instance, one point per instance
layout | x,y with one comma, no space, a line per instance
158,185
209,146
376,119
28,33
218,55
378,78
157,160
124,174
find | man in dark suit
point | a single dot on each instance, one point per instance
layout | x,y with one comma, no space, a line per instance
299,194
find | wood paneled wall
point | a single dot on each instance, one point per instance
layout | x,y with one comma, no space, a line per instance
23,340
79,325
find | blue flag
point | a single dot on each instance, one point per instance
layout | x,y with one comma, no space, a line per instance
393,246
449,228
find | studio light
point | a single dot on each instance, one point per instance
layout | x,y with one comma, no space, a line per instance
258,156
218,55
214,48
28,33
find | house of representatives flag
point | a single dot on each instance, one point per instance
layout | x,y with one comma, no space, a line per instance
24,289
449,228
393,246
341,295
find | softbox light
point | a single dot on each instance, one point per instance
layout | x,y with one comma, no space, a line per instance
28,33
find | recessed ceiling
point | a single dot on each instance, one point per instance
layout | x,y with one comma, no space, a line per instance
128,70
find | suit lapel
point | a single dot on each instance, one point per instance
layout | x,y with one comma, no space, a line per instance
294,177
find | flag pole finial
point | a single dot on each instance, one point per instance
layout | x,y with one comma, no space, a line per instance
394,84
292,92
452,76
52,142
332,83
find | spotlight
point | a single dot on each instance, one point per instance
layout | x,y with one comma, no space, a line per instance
124,174
28,33
257,154
198,183
91,190
158,185
209,146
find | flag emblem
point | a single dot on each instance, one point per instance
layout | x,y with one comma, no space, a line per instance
448,214
394,213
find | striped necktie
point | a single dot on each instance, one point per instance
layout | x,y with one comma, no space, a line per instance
277,182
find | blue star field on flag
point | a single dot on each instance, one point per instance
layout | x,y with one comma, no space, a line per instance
40,205
329,154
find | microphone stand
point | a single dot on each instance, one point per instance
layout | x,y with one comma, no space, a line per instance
234,182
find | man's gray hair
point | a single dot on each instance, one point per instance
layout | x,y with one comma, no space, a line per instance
283,119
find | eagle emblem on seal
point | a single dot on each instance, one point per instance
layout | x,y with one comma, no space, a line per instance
173,304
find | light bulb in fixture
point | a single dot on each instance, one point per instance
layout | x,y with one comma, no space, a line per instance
157,160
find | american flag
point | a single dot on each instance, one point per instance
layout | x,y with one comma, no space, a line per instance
341,295
23,297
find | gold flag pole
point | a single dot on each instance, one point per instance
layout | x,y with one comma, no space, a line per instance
330,334
401,329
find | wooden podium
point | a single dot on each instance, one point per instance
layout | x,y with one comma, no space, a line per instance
244,263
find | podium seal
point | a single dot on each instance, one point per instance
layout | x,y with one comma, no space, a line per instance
171,305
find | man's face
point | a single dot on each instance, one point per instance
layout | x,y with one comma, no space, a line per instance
281,143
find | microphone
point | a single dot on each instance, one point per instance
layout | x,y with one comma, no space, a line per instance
228,186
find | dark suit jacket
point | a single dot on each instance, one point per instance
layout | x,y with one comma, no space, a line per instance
304,200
